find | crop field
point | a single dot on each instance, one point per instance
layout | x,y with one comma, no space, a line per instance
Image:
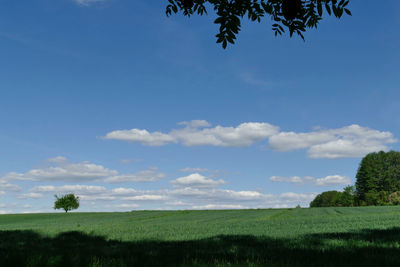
362,236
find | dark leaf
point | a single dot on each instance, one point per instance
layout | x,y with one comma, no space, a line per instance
319,8
328,9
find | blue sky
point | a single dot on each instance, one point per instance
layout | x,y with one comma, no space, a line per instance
129,109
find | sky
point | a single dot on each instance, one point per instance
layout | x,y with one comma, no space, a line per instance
129,109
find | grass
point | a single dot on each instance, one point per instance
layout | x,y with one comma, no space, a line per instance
367,236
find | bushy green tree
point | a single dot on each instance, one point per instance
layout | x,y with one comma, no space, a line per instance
378,172
327,199
347,198
335,198
66,202
293,15
373,198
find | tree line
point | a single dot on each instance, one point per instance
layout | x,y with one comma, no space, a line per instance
377,184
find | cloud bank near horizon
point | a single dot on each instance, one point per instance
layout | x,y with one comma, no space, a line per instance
95,185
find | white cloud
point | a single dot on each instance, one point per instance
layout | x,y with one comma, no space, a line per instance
197,180
296,197
242,195
198,133
223,195
333,180
349,141
58,159
124,191
32,211
84,192
2,193
62,170
211,173
244,134
293,179
141,136
325,181
287,141
9,187
88,2
31,195
76,189
145,198
96,197
149,175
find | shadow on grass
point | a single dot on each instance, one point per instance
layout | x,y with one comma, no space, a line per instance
364,248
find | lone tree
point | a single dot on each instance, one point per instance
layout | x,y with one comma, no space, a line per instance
293,15
378,176
66,202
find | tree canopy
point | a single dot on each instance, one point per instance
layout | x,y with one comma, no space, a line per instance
335,198
378,172
66,202
326,199
293,15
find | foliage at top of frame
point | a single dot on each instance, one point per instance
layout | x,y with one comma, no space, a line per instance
293,15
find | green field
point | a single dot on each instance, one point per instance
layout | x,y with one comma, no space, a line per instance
274,237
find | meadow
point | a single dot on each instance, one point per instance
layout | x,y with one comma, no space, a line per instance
354,236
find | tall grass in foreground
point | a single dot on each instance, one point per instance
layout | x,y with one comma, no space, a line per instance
368,236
